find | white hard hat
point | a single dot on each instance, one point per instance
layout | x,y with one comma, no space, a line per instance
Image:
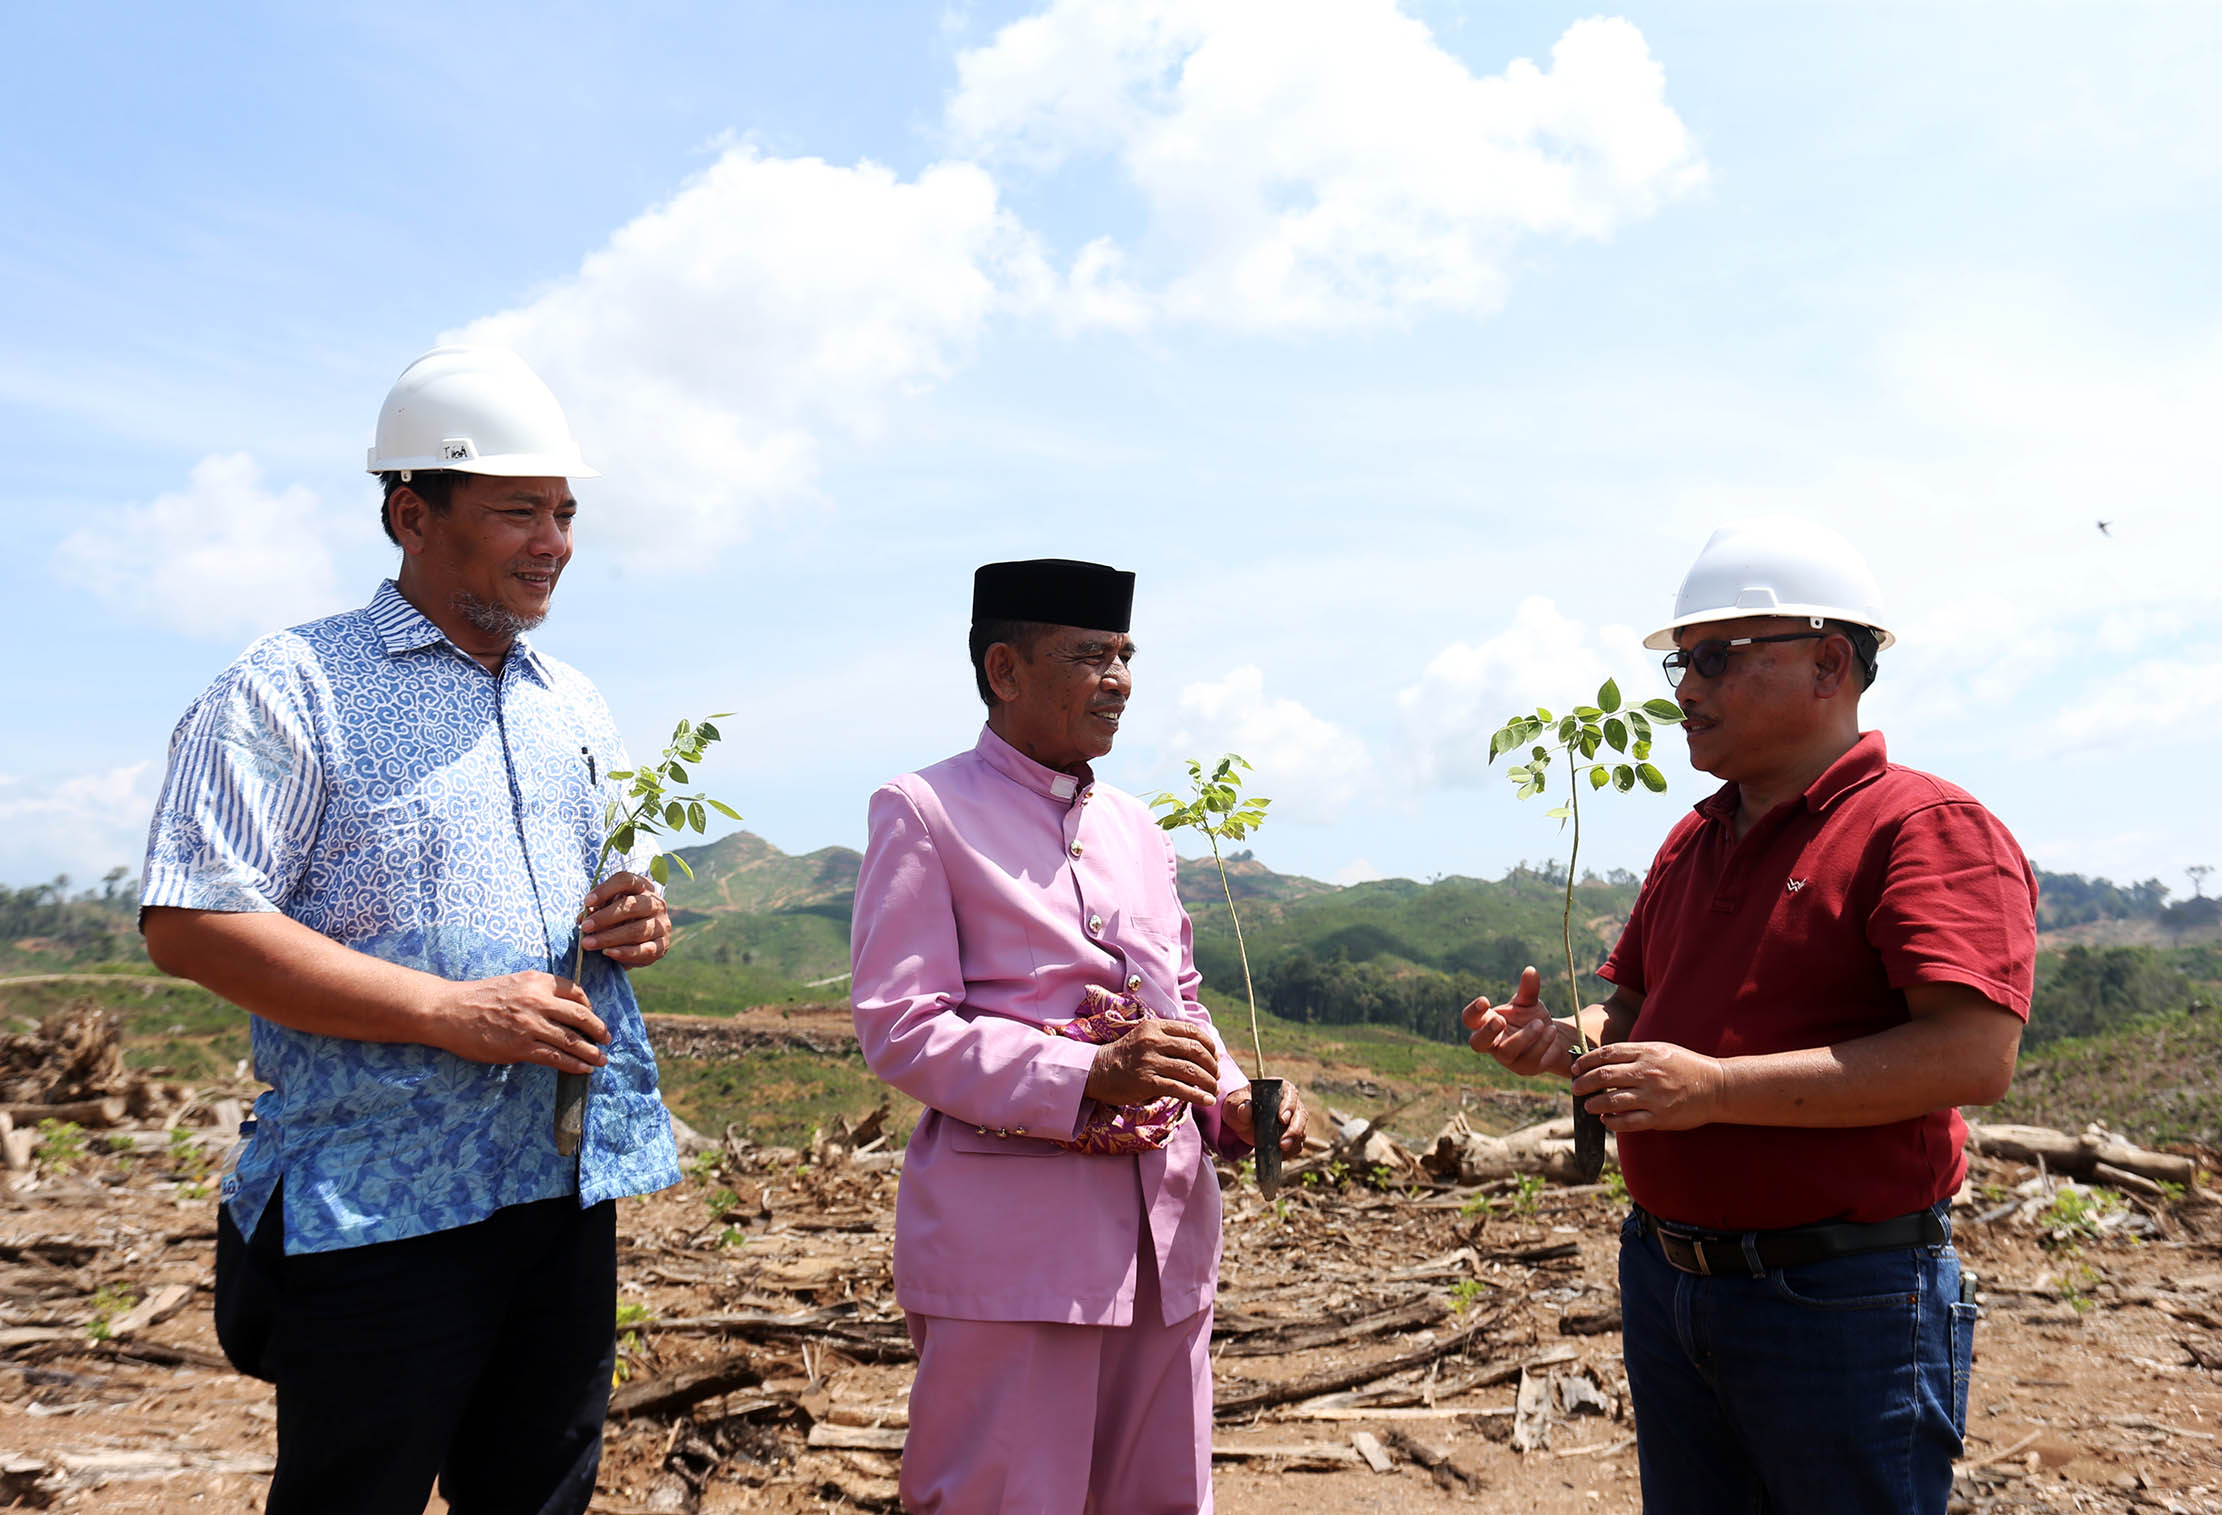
475,410
1776,565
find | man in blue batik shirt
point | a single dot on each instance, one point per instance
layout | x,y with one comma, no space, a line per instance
376,834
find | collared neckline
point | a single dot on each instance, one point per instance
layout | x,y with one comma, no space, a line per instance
402,628
1865,761
1023,770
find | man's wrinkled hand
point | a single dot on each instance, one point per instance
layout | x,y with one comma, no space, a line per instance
1650,1086
627,921
522,1018
1157,1059
1241,1116
1521,1034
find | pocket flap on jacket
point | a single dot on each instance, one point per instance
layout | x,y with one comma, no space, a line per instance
968,1138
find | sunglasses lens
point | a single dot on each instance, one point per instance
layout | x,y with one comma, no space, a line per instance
1710,659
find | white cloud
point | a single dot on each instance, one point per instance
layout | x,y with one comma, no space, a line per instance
224,556
81,825
1321,163
2171,701
1467,691
1356,871
702,351
1310,767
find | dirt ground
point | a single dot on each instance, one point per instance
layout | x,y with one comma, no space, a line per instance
766,1368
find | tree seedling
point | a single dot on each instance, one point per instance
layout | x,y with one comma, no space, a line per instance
648,805
1219,809
1577,738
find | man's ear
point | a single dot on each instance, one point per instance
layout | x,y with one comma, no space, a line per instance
1835,668
406,512
1001,665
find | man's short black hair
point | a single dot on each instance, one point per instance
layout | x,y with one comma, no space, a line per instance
1864,646
434,486
985,634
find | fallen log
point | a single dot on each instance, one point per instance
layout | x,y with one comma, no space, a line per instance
1464,1155
2078,1156
1331,1380
105,1111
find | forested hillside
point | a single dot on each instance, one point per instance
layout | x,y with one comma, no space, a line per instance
758,926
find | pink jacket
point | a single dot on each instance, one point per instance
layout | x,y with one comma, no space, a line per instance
993,891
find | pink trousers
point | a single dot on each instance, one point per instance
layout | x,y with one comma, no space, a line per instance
1028,1418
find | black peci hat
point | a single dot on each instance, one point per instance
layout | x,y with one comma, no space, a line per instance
1060,591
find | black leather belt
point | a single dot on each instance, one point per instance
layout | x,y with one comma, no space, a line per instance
1755,1252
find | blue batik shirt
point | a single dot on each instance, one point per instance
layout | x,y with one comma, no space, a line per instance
366,777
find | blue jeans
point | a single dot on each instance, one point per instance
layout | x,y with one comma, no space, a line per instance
1840,1386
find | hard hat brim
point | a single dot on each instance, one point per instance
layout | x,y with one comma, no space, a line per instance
1662,640
512,465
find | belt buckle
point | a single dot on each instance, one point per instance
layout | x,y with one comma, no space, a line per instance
1670,1241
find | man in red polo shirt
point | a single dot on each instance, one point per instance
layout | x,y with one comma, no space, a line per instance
1826,959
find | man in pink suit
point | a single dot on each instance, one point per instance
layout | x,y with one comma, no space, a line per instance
1060,1300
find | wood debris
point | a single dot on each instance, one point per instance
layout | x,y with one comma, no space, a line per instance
1382,1319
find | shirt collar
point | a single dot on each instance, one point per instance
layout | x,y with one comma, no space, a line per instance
1861,765
1023,770
403,628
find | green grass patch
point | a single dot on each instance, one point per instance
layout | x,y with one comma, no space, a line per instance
778,1097
2156,1080
681,986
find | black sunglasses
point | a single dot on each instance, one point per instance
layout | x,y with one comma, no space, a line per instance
1710,657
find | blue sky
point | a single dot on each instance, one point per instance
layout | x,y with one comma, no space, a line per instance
1407,353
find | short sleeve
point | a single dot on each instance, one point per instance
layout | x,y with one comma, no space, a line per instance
1958,906
238,812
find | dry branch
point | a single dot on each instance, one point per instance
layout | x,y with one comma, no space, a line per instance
1281,1340
1330,1381
688,1386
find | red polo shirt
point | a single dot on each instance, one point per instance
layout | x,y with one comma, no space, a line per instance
1804,934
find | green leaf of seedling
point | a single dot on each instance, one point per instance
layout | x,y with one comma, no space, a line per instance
682,862
1662,710
1558,813
658,869
1608,695
707,732
1519,775
1623,778
699,817
1599,777
618,774
1592,739
1566,730
677,773
675,815
1640,726
1541,754
621,840
1544,717
1640,751
1616,732
1588,712
725,810
1653,779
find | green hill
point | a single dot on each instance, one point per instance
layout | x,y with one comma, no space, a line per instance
745,872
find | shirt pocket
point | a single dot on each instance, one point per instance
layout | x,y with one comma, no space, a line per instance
1152,944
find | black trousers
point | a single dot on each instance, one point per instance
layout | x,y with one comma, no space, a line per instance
479,1356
